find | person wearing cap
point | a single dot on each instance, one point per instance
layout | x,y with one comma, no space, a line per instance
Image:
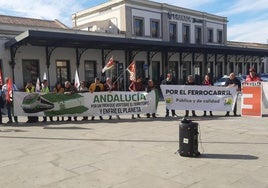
252,77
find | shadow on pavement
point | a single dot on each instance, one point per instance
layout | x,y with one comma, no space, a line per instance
228,156
13,130
66,128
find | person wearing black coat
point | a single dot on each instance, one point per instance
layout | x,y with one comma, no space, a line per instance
232,81
169,81
207,82
190,81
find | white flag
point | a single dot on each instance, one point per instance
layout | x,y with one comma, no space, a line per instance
109,65
45,76
37,86
132,71
76,80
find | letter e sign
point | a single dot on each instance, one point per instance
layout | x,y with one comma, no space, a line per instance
251,102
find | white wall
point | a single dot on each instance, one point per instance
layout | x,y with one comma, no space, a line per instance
147,15
113,14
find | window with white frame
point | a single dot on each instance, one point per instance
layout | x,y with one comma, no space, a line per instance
198,35
186,33
173,32
155,29
63,71
219,36
139,26
210,35
90,70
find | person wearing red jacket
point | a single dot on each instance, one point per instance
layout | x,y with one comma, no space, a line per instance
252,77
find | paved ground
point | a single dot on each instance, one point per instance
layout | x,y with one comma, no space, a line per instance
134,153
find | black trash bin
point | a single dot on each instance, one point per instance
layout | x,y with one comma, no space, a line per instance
188,133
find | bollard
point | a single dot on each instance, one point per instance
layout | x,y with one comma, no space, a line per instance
188,138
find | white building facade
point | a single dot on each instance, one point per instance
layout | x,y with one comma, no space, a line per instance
160,38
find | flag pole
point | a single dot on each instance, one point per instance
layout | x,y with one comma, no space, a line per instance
119,76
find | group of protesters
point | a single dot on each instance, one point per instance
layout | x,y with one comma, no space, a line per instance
68,89
232,81
108,85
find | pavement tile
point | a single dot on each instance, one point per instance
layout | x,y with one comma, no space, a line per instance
130,153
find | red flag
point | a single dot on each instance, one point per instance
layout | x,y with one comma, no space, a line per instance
132,71
109,65
9,90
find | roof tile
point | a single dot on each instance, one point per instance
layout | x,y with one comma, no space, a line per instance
31,22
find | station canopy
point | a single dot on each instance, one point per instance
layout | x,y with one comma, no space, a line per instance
89,40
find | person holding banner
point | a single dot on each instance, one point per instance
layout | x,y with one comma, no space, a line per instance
82,89
190,81
207,82
31,89
45,89
151,88
169,81
59,90
252,77
96,87
232,81
136,85
109,86
68,90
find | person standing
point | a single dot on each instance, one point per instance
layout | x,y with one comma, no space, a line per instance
109,86
9,99
190,81
207,82
136,85
252,77
151,88
68,90
45,89
82,89
232,81
2,104
97,86
169,81
58,89
31,89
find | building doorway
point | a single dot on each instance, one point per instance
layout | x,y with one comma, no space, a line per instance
63,71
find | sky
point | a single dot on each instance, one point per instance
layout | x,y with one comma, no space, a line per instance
247,19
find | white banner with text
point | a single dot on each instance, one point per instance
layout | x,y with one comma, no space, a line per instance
84,104
196,97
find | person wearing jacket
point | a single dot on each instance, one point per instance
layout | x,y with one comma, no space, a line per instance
252,77
169,80
151,88
190,81
31,89
97,86
9,99
207,82
232,81
45,89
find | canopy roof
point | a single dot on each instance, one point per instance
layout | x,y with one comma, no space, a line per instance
81,39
